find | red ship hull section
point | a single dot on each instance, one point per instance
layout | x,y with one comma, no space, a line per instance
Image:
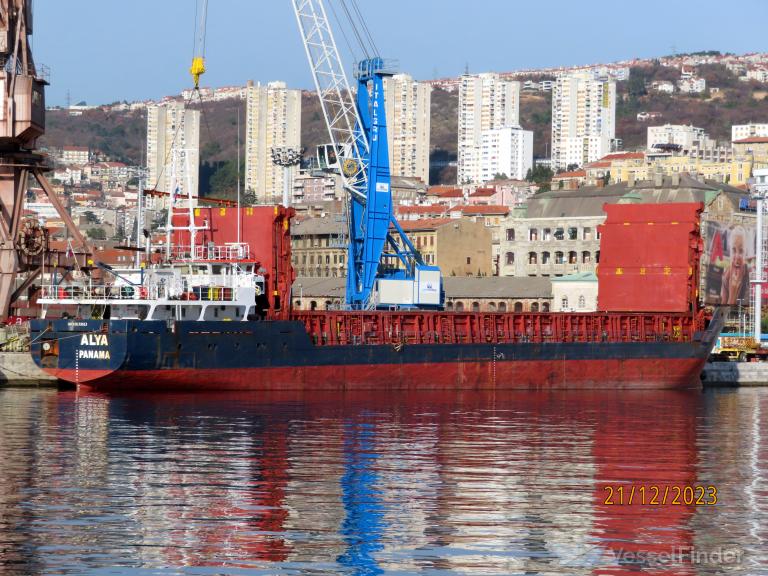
524,375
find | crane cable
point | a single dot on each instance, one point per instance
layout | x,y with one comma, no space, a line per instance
197,69
198,44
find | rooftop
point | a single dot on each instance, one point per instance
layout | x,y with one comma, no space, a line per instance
577,277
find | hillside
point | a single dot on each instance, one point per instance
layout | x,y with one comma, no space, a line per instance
121,135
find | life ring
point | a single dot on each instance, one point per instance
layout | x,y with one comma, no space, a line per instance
143,292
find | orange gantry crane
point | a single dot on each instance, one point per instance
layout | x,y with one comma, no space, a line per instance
22,121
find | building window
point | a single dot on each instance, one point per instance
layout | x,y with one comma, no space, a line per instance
469,260
532,258
559,234
510,234
459,306
586,257
518,306
545,307
535,307
449,305
547,236
545,257
582,302
510,258
475,306
573,257
502,306
564,303
573,233
597,257
533,234
587,234
559,257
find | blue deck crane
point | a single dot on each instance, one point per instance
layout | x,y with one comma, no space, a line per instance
384,269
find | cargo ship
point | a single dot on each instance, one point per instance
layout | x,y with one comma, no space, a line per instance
216,314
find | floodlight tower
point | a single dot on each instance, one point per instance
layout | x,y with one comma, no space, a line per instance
22,122
287,157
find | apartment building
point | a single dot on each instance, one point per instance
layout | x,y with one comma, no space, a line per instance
74,155
687,137
486,102
742,131
507,151
408,124
273,120
459,246
583,119
315,250
173,147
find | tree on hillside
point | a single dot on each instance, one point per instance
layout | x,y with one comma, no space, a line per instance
539,174
96,233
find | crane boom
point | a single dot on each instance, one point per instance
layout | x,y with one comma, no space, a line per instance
357,127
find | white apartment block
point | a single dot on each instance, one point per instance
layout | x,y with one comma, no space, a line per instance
408,125
273,121
741,131
507,151
486,102
173,147
685,136
583,119
692,85
74,155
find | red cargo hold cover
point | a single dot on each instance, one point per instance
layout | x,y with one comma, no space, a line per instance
649,257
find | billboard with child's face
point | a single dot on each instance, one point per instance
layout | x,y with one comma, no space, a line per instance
729,254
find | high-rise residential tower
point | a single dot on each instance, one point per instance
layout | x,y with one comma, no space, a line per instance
486,102
273,120
408,124
583,119
173,137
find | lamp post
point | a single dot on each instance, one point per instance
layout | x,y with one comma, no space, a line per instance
286,157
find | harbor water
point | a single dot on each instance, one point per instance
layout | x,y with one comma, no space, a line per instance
390,483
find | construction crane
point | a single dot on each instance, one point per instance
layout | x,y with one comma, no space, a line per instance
23,251
198,53
358,131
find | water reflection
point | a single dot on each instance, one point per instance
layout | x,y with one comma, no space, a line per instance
434,483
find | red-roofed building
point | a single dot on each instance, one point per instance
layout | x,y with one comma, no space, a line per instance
406,213
449,195
569,180
755,147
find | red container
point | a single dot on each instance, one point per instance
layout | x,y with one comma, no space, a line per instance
649,257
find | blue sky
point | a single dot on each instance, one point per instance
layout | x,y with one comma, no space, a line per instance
108,50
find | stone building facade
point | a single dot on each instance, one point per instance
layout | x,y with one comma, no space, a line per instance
316,251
